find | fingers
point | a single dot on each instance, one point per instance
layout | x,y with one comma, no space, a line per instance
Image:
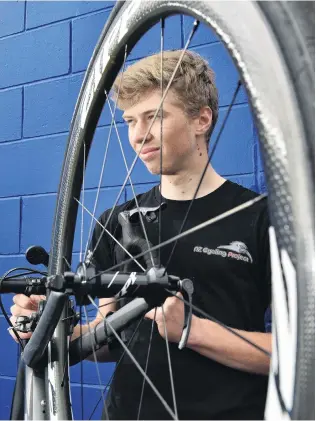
153,314
28,303
23,306
169,303
16,311
172,301
150,315
21,335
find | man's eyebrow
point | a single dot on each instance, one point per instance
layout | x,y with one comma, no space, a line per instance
144,113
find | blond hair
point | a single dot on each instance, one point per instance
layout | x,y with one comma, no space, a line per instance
193,83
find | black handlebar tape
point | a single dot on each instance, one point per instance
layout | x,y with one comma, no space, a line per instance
81,348
21,286
126,315
36,347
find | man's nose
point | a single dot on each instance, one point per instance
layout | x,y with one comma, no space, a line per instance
141,132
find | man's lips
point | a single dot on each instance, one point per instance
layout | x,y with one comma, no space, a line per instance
146,151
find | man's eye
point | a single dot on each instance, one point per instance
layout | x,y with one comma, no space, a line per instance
128,122
158,116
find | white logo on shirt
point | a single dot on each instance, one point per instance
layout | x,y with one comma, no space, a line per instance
235,250
238,247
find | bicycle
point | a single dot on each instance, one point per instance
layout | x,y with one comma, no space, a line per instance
285,118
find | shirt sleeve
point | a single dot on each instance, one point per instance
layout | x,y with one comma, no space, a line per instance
101,245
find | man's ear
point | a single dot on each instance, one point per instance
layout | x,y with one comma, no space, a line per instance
204,120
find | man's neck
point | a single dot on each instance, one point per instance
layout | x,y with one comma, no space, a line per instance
183,186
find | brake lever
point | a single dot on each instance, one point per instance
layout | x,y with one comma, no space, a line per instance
187,289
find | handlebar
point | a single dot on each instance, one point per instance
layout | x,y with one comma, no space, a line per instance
150,287
83,346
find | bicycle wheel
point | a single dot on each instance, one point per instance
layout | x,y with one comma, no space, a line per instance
282,50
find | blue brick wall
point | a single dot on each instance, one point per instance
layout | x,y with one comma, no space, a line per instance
45,47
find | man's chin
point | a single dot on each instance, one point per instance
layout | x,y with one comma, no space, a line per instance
156,170
153,169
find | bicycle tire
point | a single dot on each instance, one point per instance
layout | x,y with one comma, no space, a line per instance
286,157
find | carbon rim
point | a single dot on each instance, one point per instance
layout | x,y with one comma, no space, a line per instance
273,142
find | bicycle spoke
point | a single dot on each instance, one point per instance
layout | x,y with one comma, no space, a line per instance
108,232
161,128
104,160
213,319
98,190
81,366
118,363
65,366
94,354
205,224
132,186
169,362
195,26
83,192
149,250
146,365
67,263
159,396
204,171
107,304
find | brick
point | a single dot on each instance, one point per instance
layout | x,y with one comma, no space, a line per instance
235,149
85,34
106,200
13,261
115,170
35,55
49,106
10,225
42,12
246,180
38,214
37,221
150,42
91,398
31,166
11,114
10,262
203,35
6,387
226,75
8,365
11,17
106,115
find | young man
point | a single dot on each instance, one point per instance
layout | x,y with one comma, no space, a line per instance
217,375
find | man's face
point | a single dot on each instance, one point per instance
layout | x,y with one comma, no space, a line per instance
178,133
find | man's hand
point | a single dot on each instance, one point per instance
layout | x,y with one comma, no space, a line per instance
24,306
212,340
174,318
